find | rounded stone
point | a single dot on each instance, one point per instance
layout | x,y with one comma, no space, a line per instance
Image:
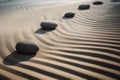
27,47
97,3
69,15
48,25
84,7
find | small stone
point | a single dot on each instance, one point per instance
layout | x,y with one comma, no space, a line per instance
69,15
84,7
97,3
27,47
48,25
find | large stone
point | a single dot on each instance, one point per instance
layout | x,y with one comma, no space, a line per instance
84,7
69,15
27,47
97,3
48,25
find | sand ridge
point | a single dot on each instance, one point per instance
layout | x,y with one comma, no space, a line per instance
86,46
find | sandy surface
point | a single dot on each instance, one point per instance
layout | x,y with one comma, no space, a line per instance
84,47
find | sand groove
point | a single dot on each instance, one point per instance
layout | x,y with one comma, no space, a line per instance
85,47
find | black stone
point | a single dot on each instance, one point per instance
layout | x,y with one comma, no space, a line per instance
48,25
84,7
27,47
97,3
69,15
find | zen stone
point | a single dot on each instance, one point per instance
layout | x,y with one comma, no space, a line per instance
48,25
69,15
84,7
98,3
27,47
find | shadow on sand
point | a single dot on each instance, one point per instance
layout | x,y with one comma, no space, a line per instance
42,31
16,57
67,18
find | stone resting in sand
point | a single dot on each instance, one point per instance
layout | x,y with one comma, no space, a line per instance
97,3
69,15
48,24
27,47
84,7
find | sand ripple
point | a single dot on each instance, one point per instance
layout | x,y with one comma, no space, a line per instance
85,47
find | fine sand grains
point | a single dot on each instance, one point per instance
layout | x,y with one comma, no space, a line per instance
86,45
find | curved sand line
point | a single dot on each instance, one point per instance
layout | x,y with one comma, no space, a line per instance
84,47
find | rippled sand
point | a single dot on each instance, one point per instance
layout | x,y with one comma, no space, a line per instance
84,47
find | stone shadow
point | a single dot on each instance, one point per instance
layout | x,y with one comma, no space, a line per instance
16,57
42,31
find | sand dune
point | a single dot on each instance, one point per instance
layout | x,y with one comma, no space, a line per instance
86,46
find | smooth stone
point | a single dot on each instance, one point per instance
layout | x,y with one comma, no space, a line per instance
48,25
84,7
69,15
27,47
97,3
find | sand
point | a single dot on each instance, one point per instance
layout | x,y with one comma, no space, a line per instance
86,46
